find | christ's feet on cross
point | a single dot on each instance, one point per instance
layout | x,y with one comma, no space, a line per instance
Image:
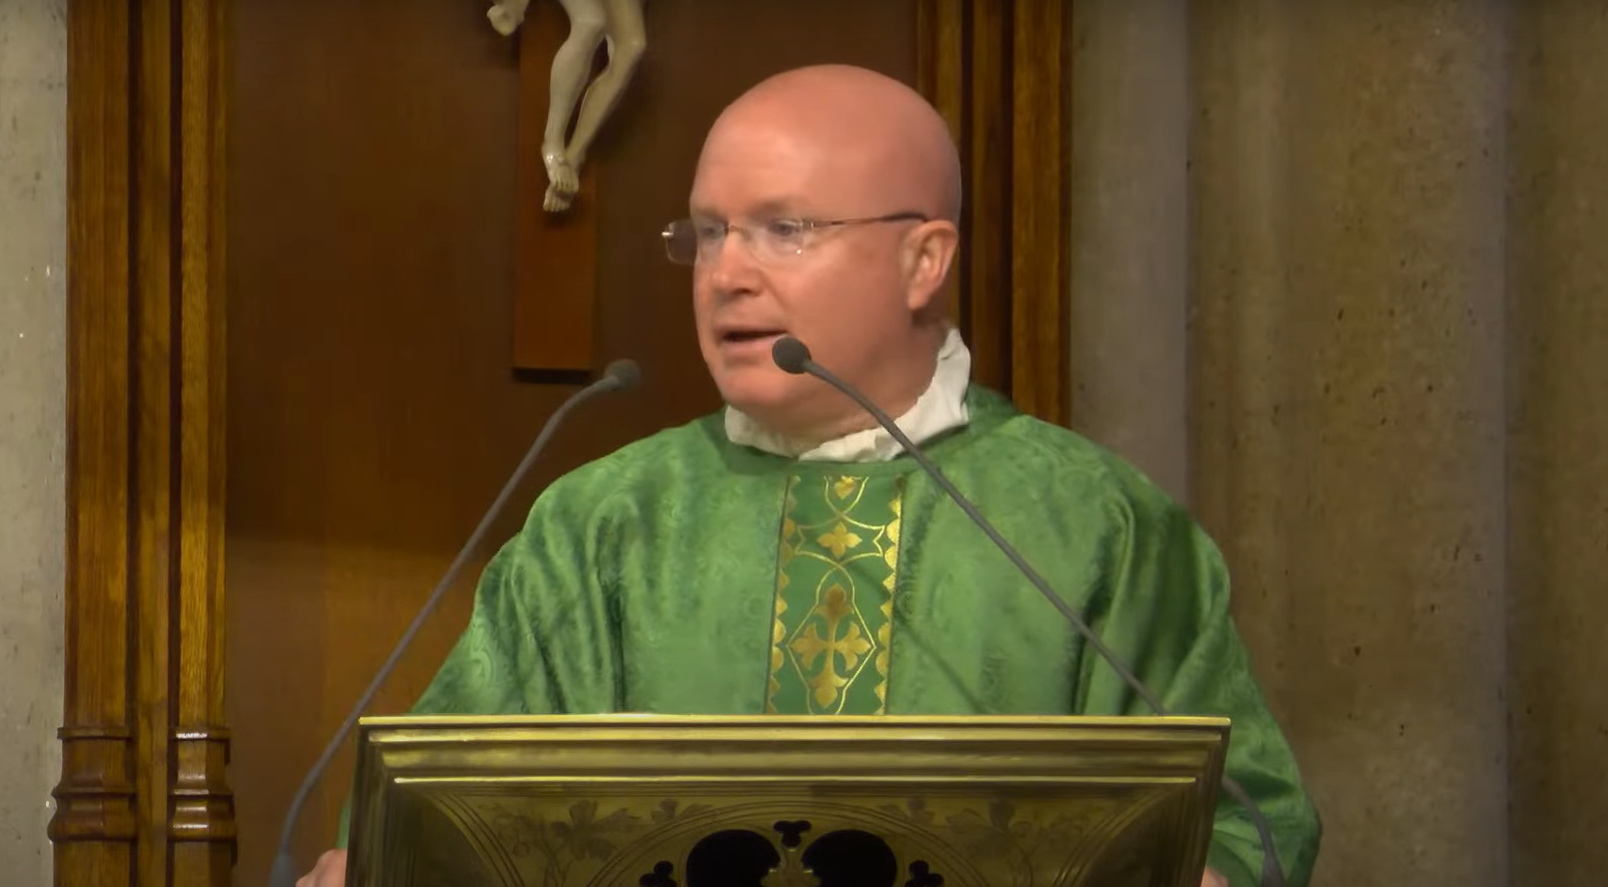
562,180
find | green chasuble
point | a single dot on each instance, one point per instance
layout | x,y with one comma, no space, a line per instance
685,574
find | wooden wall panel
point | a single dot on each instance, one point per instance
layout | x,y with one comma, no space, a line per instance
371,414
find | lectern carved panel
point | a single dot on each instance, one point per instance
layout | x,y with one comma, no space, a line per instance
557,802
734,838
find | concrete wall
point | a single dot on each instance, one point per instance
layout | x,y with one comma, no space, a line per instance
33,104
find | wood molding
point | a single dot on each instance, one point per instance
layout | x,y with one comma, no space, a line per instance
143,795
1041,218
996,70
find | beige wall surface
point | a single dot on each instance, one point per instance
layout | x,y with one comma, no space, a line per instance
33,109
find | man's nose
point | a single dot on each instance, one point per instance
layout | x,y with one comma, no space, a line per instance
731,264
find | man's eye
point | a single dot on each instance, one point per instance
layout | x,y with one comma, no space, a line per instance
710,230
785,228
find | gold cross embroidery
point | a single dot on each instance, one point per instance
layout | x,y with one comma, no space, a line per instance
851,644
836,576
839,540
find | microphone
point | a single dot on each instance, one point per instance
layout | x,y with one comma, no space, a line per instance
792,356
620,375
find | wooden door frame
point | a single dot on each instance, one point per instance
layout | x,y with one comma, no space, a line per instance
143,797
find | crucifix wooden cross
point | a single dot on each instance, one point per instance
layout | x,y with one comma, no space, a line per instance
556,225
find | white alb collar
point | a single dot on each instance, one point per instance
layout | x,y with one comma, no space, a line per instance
940,408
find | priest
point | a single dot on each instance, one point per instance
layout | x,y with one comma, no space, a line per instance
785,556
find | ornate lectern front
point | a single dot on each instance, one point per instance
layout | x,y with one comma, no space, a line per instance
650,801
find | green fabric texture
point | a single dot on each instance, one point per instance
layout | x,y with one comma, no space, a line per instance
684,574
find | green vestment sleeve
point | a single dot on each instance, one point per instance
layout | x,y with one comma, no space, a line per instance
1166,608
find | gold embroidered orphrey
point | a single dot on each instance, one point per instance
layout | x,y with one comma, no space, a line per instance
837,568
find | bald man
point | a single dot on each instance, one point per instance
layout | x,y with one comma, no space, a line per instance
783,556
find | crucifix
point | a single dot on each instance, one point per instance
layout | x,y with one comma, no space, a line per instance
593,23
565,96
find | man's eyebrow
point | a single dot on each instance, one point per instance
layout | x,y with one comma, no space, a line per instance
776,208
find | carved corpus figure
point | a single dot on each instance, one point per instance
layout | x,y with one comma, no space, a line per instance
592,22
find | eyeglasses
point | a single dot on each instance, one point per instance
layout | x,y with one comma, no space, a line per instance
774,240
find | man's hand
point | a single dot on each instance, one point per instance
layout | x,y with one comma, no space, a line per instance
331,871
1210,879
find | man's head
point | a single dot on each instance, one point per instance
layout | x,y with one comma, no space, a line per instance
803,149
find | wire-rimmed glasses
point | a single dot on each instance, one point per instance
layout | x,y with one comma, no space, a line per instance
773,240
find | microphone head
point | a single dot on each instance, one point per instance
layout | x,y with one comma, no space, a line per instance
625,373
791,355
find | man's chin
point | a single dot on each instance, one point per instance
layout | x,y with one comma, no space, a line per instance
770,396
756,400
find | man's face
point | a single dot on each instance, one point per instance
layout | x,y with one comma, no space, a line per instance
838,289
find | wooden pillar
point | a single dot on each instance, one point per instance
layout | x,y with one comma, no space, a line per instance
143,796
1041,218
996,70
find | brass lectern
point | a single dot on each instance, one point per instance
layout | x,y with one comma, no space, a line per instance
651,801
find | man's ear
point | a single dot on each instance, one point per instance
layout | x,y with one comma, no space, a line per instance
929,251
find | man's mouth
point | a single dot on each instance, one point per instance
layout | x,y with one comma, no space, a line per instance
740,337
